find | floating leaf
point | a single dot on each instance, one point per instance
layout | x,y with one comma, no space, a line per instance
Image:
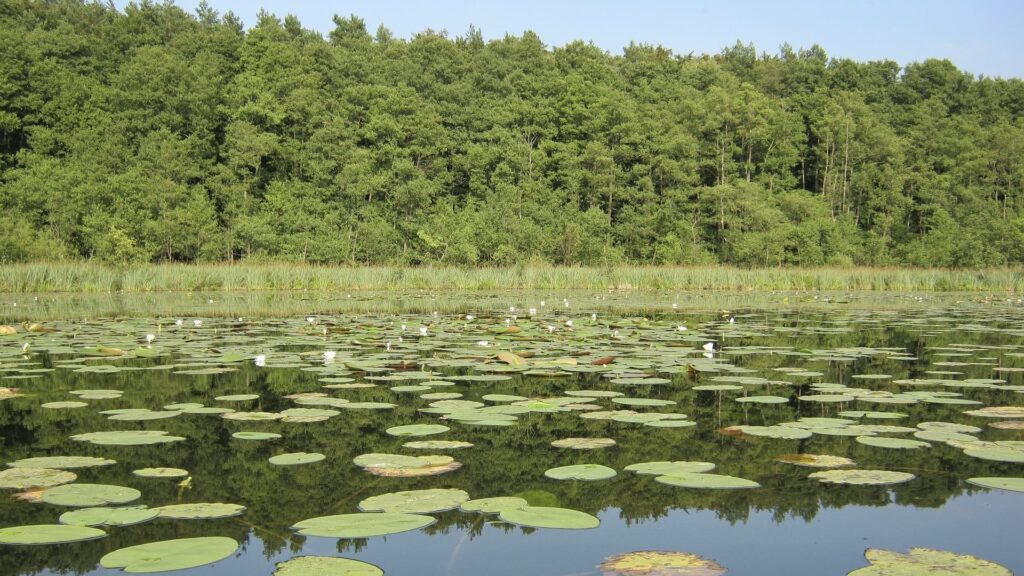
200,510
415,501
168,555
667,468
60,405
89,495
884,442
252,416
583,443
325,566
494,505
160,472
22,478
104,516
437,445
127,437
1003,483
997,454
655,563
713,481
998,412
363,525
417,430
237,397
62,462
294,458
926,562
48,534
248,435
580,472
781,432
548,517
862,477
815,460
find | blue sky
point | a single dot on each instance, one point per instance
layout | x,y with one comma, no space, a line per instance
979,36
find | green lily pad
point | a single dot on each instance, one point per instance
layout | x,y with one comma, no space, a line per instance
1002,483
415,501
252,416
763,399
200,510
89,495
925,561
249,435
779,432
437,445
669,468
147,415
997,454
21,478
237,397
61,462
160,472
815,460
898,443
127,437
504,398
60,405
580,472
998,412
168,555
699,480
642,402
583,443
363,525
494,505
862,477
294,458
104,516
656,563
325,566
47,534
417,430
549,517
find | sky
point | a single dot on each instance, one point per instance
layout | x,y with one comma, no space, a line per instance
982,37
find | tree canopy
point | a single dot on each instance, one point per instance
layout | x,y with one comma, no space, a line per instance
154,135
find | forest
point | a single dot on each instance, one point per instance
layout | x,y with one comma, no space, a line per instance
150,134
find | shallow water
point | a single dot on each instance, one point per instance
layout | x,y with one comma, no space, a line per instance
790,525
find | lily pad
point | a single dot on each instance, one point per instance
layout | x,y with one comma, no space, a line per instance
160,472
60,405
494,505
237,397
667,468
898,443
583,443
437,445
249,435
926,561
167,555
127,437
415,501
48,534
656,563
294,458
549,517
200,510
712,481
325,566
417,430
363,525
815,460
89,495
862,477
21,478
61,462
1002,483
580,472
104,516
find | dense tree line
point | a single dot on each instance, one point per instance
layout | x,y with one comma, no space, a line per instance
156,135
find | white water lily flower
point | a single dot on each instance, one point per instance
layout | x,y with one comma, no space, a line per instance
260,360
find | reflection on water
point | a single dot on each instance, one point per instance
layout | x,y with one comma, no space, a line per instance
791,525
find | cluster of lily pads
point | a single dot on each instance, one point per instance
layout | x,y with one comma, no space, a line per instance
616,371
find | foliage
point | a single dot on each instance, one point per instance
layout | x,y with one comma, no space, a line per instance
152,135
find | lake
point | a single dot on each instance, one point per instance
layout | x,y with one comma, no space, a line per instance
668,422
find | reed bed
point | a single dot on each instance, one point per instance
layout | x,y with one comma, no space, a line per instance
89,277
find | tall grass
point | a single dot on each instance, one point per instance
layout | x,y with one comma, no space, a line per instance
88,277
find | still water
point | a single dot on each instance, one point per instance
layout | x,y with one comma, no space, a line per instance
867,366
